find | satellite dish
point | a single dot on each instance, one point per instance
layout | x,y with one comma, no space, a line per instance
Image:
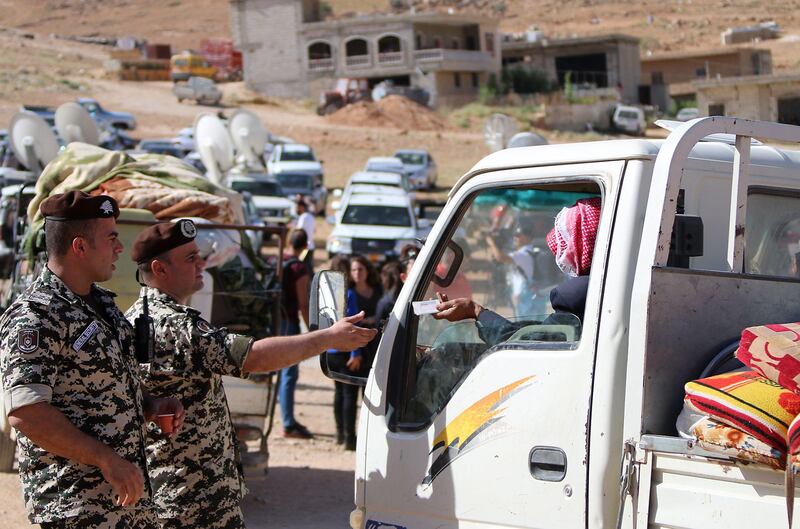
214,145
74,123
32,141
249,136
526,139
498,129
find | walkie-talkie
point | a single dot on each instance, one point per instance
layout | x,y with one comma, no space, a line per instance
144,333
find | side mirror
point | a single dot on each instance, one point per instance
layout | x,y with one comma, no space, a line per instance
327,306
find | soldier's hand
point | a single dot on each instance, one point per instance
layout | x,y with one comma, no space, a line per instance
170,406
345,335
125,479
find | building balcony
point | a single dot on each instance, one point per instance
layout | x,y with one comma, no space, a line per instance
457,60
321,65
391,58
358,61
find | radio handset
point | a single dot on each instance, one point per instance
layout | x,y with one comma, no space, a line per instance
144,333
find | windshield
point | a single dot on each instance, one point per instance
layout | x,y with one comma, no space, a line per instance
627,114
411,158
261,189
297,156
294,181
376,215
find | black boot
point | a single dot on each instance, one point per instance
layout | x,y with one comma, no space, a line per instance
339,437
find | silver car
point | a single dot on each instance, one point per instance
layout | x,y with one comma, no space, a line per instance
420,168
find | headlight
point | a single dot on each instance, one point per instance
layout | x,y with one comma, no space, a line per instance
340,245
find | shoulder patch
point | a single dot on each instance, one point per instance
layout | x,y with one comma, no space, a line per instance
85,336
27,340
42,298
204,327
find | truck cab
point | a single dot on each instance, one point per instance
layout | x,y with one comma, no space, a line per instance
464,427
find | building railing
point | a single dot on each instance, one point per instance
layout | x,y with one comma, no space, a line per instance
442,54
391,57
320,65
358,61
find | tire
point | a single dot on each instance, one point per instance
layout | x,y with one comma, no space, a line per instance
8,448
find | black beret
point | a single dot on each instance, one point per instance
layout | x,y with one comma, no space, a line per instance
162,237
77,205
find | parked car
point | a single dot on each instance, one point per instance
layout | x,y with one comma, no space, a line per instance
389,179
376,226
106,118
185,139
629,119
160,147
343,196
294,158
685,114
268,196
420,168
385,164
307,185
199,89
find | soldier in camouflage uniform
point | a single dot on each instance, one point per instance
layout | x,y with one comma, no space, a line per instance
196,477
70,380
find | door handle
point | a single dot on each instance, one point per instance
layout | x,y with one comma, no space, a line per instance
548,463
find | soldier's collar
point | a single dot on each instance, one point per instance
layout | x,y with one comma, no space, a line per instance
154,294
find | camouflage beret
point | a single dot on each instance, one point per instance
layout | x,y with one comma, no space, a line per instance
77,205
162,237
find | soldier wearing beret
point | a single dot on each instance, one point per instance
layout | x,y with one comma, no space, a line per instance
70,379
196,478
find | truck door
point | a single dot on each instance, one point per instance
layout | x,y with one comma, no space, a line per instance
484,424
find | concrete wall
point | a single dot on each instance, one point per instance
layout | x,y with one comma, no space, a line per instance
685,69
750,101
272,53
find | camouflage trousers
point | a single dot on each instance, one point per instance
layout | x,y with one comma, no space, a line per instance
228,516
117,519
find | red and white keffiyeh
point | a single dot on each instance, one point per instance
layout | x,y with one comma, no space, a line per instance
572,238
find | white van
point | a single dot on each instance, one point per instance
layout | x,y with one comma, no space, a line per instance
572,424
629,119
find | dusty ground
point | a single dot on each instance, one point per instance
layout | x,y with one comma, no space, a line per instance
309,484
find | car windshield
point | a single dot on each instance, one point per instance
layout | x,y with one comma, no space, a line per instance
382,167
297,156
627,114
261,189
294,181
376,215
160,148
411,158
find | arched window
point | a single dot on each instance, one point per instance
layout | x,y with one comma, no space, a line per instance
356,47
319,50
389,44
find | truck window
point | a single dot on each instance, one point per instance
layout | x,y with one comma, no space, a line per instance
509,270
772,233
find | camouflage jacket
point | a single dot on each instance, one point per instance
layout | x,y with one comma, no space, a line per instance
55,347
200,465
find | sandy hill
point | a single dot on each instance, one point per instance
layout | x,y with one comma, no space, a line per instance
663,25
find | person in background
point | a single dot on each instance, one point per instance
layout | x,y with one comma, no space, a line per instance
391,284
305,221
294,302
363,294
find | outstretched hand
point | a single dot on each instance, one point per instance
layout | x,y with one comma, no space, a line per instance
345,335
456,309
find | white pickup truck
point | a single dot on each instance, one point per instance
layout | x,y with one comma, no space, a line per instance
542,428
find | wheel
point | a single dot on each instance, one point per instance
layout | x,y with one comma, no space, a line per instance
8,449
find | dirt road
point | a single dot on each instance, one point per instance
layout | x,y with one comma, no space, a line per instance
309,484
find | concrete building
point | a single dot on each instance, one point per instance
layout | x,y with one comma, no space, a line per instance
761,97
289,51
607,61
670,75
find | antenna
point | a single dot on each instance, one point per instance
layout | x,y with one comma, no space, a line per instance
249,136
526,139
214,145
498,130
32,141
74,123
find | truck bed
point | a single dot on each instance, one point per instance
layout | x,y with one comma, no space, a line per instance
682,486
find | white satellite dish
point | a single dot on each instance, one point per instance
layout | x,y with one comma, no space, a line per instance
249,137
214,145
74,123
498,129
32,141
526,139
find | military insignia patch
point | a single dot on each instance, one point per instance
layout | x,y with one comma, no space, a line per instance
188,229
204,327
107,208
28,340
